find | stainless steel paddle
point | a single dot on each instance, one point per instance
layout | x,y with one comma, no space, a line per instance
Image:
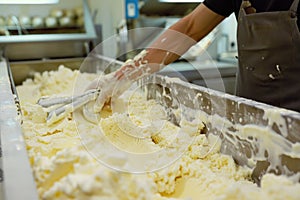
64,105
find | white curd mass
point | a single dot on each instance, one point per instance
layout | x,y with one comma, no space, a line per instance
65,169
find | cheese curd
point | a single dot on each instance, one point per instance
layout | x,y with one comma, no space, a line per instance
65,169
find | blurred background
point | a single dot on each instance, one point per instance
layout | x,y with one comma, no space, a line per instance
55,30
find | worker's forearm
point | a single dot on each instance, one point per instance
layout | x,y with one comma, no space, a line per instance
174,42
182,35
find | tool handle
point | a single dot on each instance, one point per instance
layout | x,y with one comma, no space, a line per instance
77,102
48,102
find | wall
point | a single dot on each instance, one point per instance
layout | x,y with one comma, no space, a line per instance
109,14
229,27
40,10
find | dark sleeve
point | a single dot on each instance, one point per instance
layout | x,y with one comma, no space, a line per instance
221,7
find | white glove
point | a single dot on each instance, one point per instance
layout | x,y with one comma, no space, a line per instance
106,84
114,84
110,86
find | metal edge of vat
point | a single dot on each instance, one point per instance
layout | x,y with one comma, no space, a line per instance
18,178
236,110
21,70
18,181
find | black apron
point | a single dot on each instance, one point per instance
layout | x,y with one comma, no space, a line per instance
269,56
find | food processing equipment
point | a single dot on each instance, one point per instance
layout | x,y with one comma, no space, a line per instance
257,135
25,49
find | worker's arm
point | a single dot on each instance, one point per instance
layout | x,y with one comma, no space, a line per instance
173,43
177,40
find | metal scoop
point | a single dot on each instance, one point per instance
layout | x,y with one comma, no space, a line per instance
66,105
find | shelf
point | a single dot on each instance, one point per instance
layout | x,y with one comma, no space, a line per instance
42,34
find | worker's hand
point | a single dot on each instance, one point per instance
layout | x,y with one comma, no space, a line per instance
110,86
105,83
135,68
115,83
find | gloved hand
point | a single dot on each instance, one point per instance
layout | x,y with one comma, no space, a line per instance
110,85
105,83
115,83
